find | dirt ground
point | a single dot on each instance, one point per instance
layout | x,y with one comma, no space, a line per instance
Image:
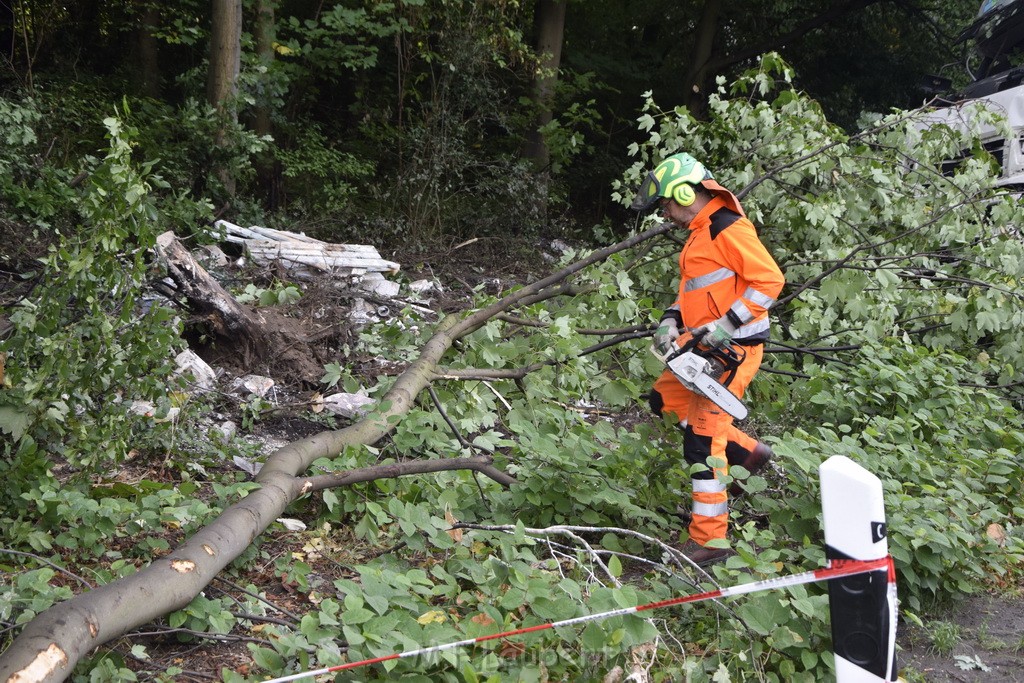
979,640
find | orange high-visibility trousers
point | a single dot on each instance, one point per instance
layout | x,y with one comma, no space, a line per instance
710,439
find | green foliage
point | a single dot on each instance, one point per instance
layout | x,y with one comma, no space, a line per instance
179,139
949,473
75,358
944,637
28,594
36,197
451,162
280,294
927,255
322,174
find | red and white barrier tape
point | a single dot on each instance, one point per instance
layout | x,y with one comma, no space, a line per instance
836,570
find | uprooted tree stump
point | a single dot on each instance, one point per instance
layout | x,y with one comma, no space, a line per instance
51,644
239,331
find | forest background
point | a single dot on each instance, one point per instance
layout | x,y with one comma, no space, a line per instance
463,138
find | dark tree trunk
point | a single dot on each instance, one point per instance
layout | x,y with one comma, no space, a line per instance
550,27
225,64
549,22
697,74
147,48
265,34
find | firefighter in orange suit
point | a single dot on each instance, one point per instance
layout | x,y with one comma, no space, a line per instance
728,282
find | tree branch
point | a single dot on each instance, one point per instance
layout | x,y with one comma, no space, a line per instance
52,565
520,372
480,463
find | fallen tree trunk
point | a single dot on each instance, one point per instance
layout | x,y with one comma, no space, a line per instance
51,644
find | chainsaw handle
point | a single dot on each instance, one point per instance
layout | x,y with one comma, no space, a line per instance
691,344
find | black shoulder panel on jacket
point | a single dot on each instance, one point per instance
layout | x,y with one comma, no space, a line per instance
722,219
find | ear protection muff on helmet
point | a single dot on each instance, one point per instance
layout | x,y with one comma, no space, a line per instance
684,194
674,178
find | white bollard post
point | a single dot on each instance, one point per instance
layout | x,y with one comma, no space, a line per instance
863,607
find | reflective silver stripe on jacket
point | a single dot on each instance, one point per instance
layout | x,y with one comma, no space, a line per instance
759,298
741,311
707,280
710,509
750,329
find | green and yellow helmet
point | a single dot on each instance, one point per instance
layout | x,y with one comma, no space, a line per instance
673,178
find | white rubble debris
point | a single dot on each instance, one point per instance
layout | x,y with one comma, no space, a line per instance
375,283
246,465
560,246
227,430
348,405
292,524
210,255
422,287
189,364
256,385
147,409
299,253
362,313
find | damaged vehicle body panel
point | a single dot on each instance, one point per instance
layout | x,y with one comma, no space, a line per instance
997,40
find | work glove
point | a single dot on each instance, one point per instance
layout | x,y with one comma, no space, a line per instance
665,336
716,334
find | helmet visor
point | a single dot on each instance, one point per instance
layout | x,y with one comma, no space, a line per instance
647,195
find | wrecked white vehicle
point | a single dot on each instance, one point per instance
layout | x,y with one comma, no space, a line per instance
996,67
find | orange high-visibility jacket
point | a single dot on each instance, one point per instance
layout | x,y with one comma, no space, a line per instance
726,271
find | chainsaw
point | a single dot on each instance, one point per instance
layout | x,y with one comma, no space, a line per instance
699,370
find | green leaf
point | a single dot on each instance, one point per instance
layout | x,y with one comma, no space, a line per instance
764,613
267,658
14,422
469,674
593,637
356,616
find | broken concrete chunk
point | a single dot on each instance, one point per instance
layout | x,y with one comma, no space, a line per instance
147,409
424,286
348,405
227,430
255,385
375,283
246,465
200,375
